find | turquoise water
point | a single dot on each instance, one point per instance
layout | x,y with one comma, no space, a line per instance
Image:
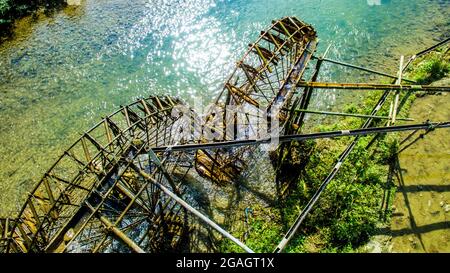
60,73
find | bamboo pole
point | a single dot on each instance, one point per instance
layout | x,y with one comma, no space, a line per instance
24,236
370,86
347,114
85,149
397,93
302,137
2,236
49,191
391,106
362,68
6,227
33,210
118,233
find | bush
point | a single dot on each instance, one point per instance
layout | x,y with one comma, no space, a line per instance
4,6
263,233
358,217
349,206
14,9
4,9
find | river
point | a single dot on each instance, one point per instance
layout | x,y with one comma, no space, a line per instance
61,72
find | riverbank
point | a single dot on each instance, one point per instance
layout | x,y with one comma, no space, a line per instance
420,219
11,10
420,208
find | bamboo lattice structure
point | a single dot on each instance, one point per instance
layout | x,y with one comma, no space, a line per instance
260,89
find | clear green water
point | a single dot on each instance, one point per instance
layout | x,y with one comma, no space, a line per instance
61,73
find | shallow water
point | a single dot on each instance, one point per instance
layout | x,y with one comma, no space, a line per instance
420,221
61,73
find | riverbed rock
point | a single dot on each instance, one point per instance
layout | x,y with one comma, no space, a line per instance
374,247
447,208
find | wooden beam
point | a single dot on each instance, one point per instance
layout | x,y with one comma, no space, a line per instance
120,235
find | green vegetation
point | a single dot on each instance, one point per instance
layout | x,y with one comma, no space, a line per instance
432,67
349,210
14,9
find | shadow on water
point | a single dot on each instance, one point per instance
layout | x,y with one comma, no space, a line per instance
412,211
435,188
260,195
416,230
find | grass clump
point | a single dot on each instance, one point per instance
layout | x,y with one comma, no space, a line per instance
432,67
